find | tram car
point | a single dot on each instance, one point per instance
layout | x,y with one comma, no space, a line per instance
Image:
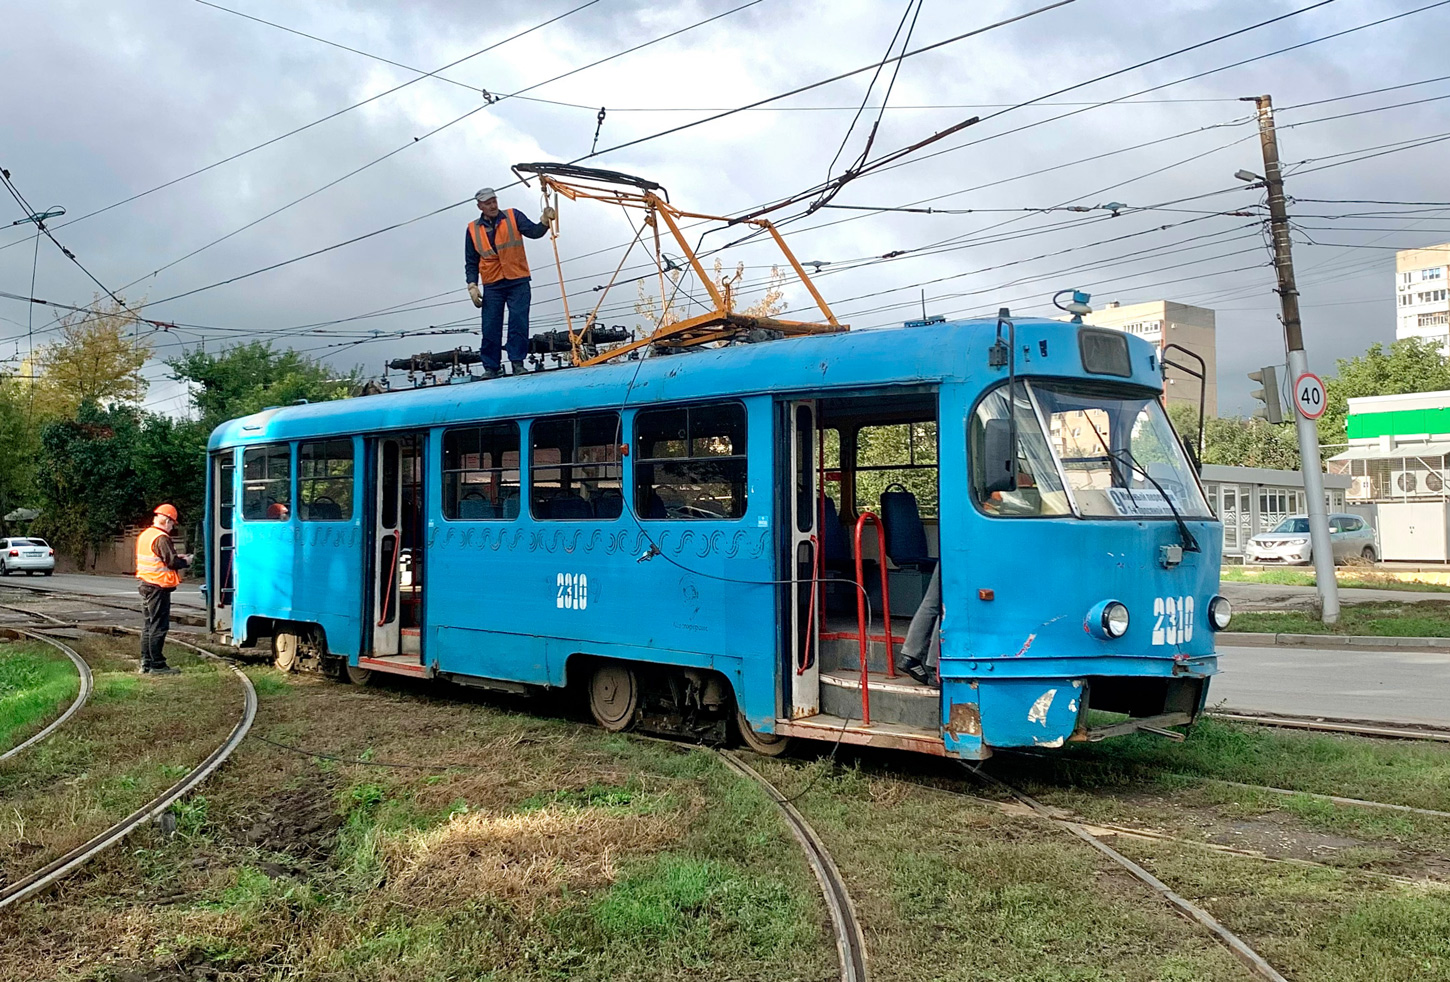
737,537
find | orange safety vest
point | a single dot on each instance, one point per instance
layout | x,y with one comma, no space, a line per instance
149,567
505,259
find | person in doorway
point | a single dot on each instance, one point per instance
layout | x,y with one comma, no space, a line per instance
918,658
157,567
277,511
494,259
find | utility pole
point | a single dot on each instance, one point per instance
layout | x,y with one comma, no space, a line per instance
1308,432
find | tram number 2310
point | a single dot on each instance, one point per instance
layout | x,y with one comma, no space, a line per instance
1172,620
573,591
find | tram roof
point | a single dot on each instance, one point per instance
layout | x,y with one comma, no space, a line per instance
921,355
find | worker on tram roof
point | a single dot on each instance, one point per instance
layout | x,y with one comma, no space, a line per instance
158,567
493,257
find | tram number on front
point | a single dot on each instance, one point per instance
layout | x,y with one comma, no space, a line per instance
1173,620
573,591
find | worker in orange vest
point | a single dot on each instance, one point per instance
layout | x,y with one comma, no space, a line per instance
157,566
493,256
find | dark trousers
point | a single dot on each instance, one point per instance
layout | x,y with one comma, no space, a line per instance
917,646
515,295
156,604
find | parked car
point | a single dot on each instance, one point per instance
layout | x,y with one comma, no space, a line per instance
26,555
1351,537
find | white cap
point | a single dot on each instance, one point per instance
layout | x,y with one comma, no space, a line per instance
483,194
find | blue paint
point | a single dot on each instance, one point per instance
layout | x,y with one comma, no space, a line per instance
492,601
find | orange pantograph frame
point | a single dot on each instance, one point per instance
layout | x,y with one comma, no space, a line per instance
719,324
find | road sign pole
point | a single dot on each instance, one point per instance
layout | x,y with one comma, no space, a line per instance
1308,431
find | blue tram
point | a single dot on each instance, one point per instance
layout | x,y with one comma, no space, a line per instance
714,538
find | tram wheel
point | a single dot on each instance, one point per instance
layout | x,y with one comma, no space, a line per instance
359,676
765,744
286,650
613,696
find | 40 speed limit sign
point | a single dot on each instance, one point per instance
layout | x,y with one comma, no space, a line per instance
1309,395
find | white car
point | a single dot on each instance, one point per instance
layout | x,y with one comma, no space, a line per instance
26,555
1351,538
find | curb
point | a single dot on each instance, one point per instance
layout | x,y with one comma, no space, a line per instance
1351,641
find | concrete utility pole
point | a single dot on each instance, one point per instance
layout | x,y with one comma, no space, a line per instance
1308,432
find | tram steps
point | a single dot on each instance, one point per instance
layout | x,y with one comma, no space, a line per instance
898,700
842,651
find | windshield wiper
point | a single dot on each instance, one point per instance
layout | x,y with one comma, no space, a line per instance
1190,544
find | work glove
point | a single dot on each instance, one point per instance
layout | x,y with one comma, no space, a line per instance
473,295
548,215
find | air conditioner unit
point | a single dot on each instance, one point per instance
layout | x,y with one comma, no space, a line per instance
1406,483
1361,487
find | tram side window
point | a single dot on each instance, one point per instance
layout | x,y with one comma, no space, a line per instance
897,453
690,463
324,480
481,472
267,483
1039,490
574,470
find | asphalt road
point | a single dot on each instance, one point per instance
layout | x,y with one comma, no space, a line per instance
1393,686
1269,596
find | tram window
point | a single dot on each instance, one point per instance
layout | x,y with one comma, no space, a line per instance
324,480
690,463
1039,490
481,472
897,453
226,492
267,483
574,468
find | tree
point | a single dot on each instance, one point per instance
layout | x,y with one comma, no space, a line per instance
17,449
86,482
250,377
1410,365
98,359
1236,442
770,304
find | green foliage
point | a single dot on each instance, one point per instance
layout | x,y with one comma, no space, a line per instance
249,377
1410,365
87,486
17,449
35,684
1237,442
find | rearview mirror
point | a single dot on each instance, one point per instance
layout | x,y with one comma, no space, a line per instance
998,456
1192,452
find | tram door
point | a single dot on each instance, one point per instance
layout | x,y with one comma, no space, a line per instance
223,585
805,628
398,547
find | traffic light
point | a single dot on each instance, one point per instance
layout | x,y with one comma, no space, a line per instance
1268,394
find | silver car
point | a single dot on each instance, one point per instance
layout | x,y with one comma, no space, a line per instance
26,555
1351,537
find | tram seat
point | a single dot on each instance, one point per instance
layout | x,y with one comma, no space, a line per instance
477,507
510,505
569,507
608,504
654,507
324,511
838,564
833,538
905,534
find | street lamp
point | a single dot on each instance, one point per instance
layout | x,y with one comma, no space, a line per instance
39,218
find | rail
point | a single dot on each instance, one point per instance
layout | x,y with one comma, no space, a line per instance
861,610
86,686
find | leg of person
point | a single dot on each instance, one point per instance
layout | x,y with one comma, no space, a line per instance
148,620
916,650
159,632
492,329
520,296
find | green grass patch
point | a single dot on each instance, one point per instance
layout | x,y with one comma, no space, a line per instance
1426,619
1296,577
36,684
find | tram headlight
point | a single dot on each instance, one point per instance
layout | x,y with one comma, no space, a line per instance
1108,620
1220,611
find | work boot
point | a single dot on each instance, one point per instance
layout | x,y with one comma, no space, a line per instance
518,368
163,670
489,373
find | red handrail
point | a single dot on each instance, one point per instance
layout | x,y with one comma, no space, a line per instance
861,610
392,573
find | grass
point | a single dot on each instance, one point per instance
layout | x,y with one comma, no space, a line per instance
1294,577
1426,619
36,684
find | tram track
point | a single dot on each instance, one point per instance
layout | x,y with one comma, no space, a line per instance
1353,727
64,865
87,686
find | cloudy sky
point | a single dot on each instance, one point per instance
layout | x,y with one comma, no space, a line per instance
109,101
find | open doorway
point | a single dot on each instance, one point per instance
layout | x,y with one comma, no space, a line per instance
398,553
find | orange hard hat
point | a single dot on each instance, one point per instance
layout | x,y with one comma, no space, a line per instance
169,511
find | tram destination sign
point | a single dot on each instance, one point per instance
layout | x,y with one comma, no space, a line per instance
1309,396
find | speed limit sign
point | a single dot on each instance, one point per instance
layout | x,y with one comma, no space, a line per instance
1309,395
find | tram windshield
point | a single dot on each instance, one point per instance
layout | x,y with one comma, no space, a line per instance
1094,450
